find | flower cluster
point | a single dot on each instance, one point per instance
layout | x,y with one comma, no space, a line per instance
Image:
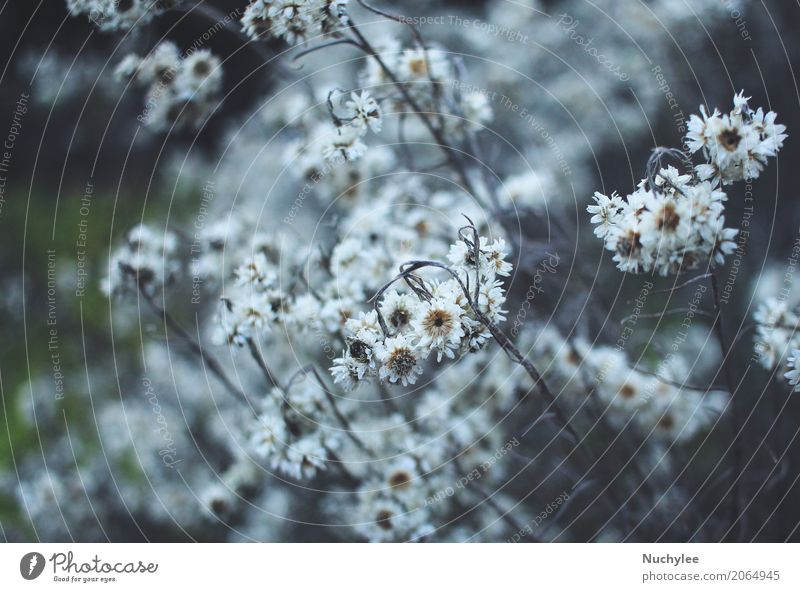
674,222
361,114
254,303
659,404
735,145
793,372
182,90
145,261
288,430
295,21
439,317
110,15
668,228
777,322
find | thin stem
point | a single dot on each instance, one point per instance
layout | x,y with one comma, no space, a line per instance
340,417
208,360
488,497
681,385
735,418
663,313
218,17
683,285
445,146
255,350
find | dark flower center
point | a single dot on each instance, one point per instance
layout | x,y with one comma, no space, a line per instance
730,139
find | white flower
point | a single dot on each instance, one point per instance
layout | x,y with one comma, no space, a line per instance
419,64
399,360
491,298
294,20
128,67
604,212
793,375
364,111
399,310
258,273
350,371
180,91
304,457
364,328
199,76
737,144
255,21
160,65
438,327
722,240
492,258
268,433
343,145
477,109
110,15
697,136
775,313
146,261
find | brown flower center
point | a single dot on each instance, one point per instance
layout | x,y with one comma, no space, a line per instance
402,361
399,317
384,519
418,66
202,68
438,323
630,244
729,139
669,219
400,480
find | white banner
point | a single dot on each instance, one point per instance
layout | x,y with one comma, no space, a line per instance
387,568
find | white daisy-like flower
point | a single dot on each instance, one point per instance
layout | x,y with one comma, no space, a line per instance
304,457
400,361
418,64
399,310
697,136
160,65
255,21
364,111
477,108
605,212
199,76
438,327
671,181
736,145
294,20
146,261
665,228
491,298
364,327
722,240
773,312
349,371
793,375
343,145
268,433
492,258
258,273
128,67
